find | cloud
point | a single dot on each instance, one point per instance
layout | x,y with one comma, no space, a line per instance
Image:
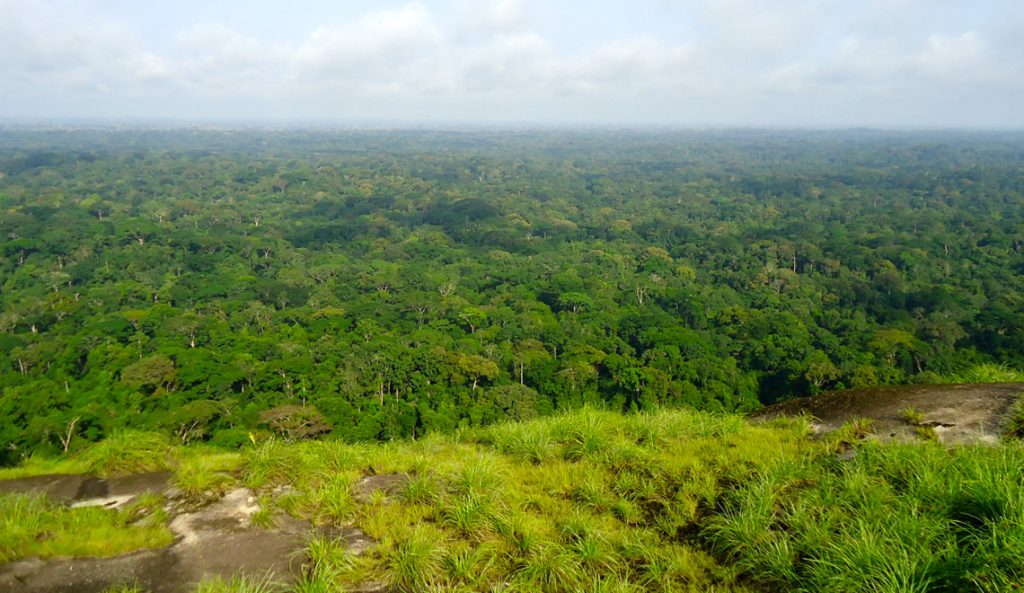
954,57
217,48
515,62
40,44
499,15
641,63
759,29
381,39
684,61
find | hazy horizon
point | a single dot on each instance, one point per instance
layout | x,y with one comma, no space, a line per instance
171,124
678,64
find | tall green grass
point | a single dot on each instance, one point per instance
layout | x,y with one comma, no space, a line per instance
240,584
987,373
901,518
129,452
657,502
1013,423
34,526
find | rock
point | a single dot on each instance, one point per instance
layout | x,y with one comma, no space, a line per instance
174,493
110,502
216,540
369,587
356,541
959,413
59,488
388,484
82,490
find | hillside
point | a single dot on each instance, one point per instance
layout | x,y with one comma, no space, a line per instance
582,501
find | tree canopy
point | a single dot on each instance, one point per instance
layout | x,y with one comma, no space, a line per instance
384,284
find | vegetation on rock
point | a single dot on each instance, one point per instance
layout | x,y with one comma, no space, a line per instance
662,501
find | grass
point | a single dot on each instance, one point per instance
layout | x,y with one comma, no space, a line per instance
240,584
660,501
33,526
895,518
912,416
1013,424
124,589
414,561
129,452
39,466
202,472
987,373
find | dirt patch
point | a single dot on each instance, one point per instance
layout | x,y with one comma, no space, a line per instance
957,413
387,484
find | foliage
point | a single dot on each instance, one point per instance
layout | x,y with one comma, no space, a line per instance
201,472
380,285
295,422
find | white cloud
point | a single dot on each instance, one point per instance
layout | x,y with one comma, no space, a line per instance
502,15
735,61
40,41
150,67
956,57
218,47
517,62
382,40
639,62
760,29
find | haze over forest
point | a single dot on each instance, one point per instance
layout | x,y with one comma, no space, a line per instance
788,63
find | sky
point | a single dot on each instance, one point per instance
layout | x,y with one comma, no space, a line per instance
688,63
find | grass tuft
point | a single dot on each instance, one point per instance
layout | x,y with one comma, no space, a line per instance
415,561
912,416
1013,423
987,373
271,462
240,584
129,452
209,474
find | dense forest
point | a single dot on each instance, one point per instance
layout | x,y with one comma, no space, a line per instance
215,284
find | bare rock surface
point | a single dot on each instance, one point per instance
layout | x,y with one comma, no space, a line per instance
387,484
216,540
369,587
959,414
60,488
84,490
